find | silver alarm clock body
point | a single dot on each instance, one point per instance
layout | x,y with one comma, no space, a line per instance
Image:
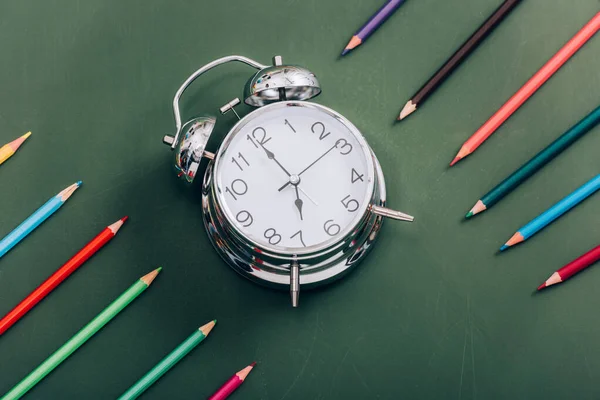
294,196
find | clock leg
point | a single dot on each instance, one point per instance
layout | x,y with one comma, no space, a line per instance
295,283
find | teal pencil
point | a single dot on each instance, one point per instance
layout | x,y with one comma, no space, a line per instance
35,219
546,218
536,163
168,362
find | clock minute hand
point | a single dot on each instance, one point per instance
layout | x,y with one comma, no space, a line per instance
271,156
313,163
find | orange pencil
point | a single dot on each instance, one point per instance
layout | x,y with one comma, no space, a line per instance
529,88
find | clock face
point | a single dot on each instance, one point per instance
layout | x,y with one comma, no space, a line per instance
294,177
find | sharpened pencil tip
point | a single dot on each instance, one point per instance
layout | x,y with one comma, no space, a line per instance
469,214
151,276
25,136
408,109
456,159
206,328
117,225
504,247
543,285
355,41
125,218
79,183
253,364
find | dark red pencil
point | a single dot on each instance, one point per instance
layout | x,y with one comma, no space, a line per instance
573,267
233,383
60,275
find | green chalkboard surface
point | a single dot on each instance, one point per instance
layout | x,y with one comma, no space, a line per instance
434,312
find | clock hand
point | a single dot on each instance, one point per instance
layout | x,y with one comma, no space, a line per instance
271,156
308,197
313,163
298,202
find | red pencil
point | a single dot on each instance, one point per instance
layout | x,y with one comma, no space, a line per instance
573,267
529,88
233,383
60,275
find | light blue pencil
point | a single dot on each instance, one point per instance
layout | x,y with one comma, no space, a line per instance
36,219
554,212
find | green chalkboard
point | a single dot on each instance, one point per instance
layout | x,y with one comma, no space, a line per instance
433,313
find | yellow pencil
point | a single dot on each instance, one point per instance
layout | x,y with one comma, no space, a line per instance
9,149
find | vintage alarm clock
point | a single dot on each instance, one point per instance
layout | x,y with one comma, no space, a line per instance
294,196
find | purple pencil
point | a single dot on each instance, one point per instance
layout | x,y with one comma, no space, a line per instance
372,24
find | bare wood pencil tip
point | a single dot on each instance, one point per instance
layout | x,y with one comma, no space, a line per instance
408,109
117,225
354,42
206,328
151,276
477,208
68,192
15,144
553,280
244,373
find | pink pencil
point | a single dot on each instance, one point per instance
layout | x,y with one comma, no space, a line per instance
233,383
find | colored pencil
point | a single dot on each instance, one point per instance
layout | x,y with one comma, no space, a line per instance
60,275
372,24
233,383
575,266
11,148
457,58
168,362
554,212
523,94
536,163
81,337
35,219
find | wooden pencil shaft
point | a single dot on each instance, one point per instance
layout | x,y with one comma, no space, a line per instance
32,222
378,18
464,51
542,158
227,389
561,207
55,279
533,84
76,341
580,263
163,366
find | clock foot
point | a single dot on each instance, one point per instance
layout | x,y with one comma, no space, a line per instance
295,283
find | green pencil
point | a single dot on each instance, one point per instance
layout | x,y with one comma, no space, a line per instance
168,362
81,337
536,163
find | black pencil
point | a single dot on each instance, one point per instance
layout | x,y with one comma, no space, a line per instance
458,57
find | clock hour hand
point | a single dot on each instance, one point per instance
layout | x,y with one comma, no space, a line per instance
313,163
271,156
298,202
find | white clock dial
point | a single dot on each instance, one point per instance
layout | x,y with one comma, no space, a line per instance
294,177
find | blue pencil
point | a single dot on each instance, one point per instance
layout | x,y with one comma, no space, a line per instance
36,219
554,212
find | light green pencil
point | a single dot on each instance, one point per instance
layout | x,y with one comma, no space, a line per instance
81,337
168,362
